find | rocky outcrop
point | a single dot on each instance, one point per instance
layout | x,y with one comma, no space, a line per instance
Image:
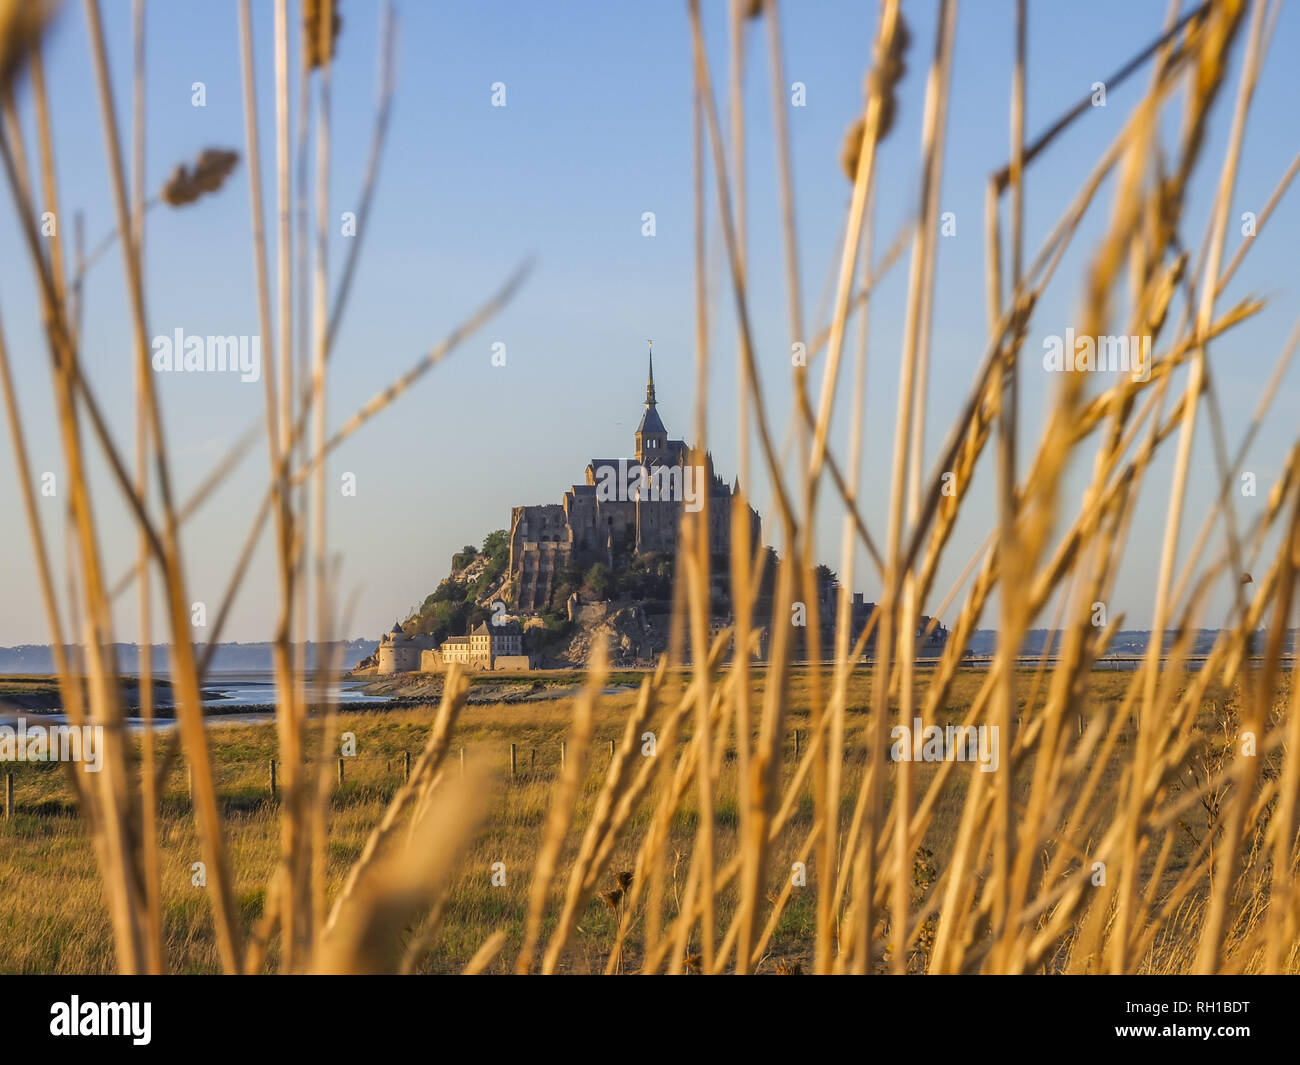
630,637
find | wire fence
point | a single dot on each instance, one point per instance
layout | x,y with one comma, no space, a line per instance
528,762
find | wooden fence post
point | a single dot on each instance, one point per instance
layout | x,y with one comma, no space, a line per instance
273,778
189,781
611,749
796,744
340,770
513,761
532,761
563,754
406,766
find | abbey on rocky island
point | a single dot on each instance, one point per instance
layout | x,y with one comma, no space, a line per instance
624,507
632,502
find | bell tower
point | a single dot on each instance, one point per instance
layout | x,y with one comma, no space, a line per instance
651,436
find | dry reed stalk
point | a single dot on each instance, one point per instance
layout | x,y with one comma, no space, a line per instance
651,853
420,783
1209,75
189,709
753,393
917,317
70,690
694,544
319,52
1012,563
392,892
118,863
155,947
289,708
557,823
490,948
591,860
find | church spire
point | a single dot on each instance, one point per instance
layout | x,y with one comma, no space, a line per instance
650,381
651,436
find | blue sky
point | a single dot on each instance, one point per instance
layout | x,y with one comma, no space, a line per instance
596,131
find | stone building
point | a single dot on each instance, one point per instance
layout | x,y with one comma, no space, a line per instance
399,652
488,646
635,502
455,649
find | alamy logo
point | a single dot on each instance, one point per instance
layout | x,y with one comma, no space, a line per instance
1071,354
213,354
57,743
102,1018
946,743
631,481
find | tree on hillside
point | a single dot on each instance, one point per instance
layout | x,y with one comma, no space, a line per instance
496,549
596,583
567,581
496,543
449,591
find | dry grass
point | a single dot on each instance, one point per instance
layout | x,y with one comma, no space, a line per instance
928,866
67,929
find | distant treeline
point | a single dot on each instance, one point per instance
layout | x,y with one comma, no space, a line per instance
229,657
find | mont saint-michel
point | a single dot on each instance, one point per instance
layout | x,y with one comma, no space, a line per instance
598,565
623,503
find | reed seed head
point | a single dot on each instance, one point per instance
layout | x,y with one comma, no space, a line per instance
851,149
313,13
209,174
887,70
21,24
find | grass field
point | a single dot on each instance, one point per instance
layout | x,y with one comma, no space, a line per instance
53,918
